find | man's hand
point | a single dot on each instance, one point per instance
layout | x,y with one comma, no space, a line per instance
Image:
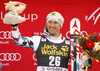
86,61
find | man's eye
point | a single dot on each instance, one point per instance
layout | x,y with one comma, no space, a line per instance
55,22
50,22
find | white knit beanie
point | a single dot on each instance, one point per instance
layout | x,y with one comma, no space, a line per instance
55,16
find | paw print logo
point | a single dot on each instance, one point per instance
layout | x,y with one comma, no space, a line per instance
65,48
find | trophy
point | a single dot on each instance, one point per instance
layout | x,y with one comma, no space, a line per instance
15,8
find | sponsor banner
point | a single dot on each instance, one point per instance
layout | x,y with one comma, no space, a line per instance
10,56
18,58
43,68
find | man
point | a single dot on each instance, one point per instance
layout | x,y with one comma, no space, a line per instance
52,49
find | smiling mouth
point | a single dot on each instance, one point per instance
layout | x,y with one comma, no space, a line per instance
51,28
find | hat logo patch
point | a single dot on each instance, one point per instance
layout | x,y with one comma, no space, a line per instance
53,14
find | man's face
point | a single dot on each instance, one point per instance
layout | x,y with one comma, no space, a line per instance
53,28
